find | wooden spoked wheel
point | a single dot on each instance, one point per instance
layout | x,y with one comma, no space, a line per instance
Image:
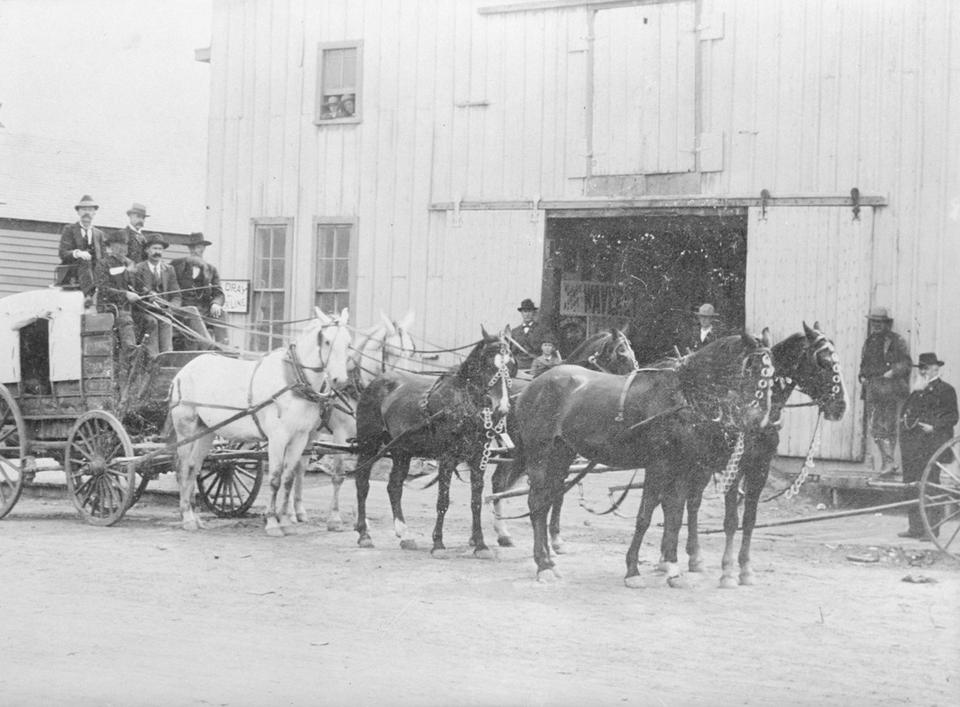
940,498
13,451
101,488
228,486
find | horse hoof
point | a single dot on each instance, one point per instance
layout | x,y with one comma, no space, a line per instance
695,566
662,567
408,544
505,541
302,518
439,553
191,524
365,541
547,576
633,582
728,582
335,526
747,580
275,531
559,547
484,553
677,581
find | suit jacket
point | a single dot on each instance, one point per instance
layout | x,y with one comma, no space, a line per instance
148,283
136,245
693,341
200,291
71,239
882,352
530,341
114,279
935,404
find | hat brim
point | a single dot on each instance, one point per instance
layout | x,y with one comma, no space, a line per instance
929,363
701,314
528,309
193,243
95,207
137,211
875,318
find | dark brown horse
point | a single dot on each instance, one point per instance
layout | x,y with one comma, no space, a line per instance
804,361
608,351
644,419
444,418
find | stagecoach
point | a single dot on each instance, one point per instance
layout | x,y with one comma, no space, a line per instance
63,403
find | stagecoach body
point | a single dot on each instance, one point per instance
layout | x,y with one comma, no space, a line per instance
64,402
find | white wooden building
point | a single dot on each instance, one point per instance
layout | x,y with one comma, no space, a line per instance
396,154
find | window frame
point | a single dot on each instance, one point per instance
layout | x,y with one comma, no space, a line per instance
255,223
352,261
358,88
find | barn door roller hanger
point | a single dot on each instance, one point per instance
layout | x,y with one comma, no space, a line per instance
854,201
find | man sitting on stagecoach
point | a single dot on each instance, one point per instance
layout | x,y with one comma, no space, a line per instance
116,294
80,248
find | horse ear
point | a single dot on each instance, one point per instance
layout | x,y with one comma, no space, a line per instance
483,330
626,328
816,326
344,316
810,333
407,320
324,319
506,332
766,338
748,341
388,323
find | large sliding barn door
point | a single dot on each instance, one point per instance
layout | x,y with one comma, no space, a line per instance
813,264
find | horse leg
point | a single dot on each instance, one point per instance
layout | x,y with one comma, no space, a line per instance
672,521
480,548
498,484
652,491
292,467
275,455
538,501
299,511
556,542
731,520
362,480
334,520
398,474
756,480
190,458
446,466
694,558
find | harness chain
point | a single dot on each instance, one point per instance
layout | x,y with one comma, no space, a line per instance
808,464
729,474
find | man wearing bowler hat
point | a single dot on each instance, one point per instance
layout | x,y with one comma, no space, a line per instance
885,377
706,332
199,284
133,232
81,246
528,335
928,419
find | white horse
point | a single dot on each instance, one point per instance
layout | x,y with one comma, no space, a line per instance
291,387
385,347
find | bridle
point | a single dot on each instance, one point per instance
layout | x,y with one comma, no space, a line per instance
301,386
812,354
621,349
727,412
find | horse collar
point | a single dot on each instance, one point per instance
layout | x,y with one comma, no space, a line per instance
301,387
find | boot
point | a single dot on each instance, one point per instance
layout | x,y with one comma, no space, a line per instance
888,466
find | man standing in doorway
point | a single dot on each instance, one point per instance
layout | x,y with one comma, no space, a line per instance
528,335
706,332
885,377
81,247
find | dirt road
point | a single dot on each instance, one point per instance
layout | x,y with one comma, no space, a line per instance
146,614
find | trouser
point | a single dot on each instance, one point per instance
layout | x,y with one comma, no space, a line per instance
78,274
126,341
884,413
219,332
916,448
155,334
190,317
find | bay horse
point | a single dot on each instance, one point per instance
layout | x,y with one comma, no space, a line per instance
644,419
385,347
291,386
444,417
807,362
608,351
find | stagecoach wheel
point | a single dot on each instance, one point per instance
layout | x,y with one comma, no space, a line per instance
13,451
940,498
228,487
101,488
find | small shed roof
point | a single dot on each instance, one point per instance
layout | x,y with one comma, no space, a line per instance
41,179
64,310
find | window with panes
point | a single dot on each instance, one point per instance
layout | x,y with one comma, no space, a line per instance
269,286
338,94
332,291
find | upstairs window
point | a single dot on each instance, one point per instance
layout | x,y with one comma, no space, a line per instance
332,292
338,93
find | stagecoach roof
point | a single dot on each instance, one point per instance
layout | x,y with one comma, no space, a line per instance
63,309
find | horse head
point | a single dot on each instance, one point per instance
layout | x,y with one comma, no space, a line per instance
729,381
490,366
608,351
816,371
396,345
324,347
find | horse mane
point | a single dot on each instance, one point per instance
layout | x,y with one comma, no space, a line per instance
787,354
588,346
473,363
707,372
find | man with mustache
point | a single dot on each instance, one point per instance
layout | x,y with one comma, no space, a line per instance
81,246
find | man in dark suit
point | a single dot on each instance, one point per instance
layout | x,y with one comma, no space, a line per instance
199,283
133,232
116,285
528,335
928,419
157,283
705,333
81,246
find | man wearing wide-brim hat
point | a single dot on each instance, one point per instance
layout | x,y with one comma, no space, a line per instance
706,332
133,232
885,377
81,246
199,284
157,285
927,422
528,335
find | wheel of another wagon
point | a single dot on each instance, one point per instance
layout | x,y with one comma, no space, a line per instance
13,451
101,487
940,498
228,485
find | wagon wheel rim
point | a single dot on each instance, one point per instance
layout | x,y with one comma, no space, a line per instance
13,451
940,498
101,488
228,488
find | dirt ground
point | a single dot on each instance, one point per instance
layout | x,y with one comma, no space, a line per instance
146,614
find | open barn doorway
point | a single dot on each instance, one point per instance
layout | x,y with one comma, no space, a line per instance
647,269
